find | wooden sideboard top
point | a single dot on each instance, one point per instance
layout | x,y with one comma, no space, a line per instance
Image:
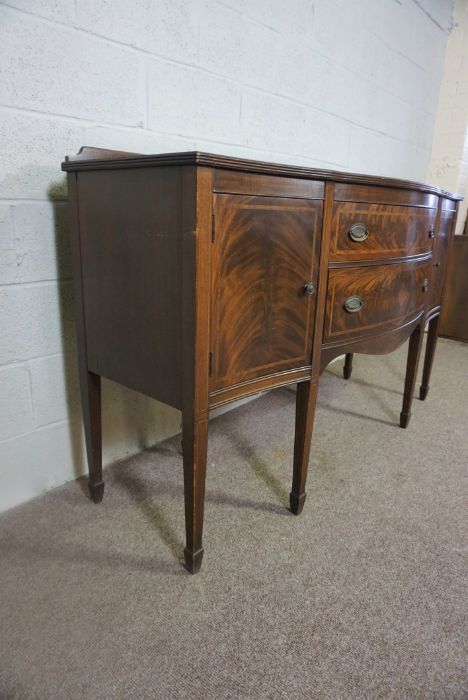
90,158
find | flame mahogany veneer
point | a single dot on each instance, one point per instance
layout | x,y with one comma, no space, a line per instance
200,279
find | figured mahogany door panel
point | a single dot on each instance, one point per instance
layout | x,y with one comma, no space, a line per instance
265,250
441,246
380,231
364,300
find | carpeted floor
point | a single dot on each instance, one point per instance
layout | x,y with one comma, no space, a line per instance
359,597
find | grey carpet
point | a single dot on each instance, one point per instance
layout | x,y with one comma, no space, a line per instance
359,597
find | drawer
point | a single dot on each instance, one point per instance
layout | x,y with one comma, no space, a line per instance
363,231
232,182
347,192
362,300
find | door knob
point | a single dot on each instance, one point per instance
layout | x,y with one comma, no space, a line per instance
309,288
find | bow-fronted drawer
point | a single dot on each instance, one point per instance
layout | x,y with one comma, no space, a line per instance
363,231
363,300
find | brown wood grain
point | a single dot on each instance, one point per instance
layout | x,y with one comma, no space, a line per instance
390,294
414,196
195,241
377,343
233,182
445,229
90,153
412,361
90,383
265,250
380,184
393,231
306,396
130,240
429,356
260,384
442,241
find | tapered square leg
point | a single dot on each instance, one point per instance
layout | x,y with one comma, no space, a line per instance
193,560
348,365
432,335
96,491
195,442
296,502
306,398
91,406
414,350
90,383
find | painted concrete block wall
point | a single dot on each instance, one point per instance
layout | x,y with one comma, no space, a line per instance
449,161
332,83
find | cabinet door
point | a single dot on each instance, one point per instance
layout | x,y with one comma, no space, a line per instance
265,251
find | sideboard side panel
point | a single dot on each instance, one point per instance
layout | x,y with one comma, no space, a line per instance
130,245
443,241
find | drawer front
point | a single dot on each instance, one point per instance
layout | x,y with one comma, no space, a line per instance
346,192
363,231
362,300
231,182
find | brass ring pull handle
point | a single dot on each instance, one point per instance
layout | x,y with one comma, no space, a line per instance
358,233
425,286
309,288
353,304
432,231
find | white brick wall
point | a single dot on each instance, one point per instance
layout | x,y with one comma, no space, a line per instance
331,83
449,160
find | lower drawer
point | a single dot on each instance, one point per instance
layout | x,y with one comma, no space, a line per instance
363,300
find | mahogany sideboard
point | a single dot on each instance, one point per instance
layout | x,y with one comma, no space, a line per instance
200,279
